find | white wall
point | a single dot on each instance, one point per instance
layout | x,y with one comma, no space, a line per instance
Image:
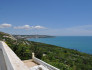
11,59
50,67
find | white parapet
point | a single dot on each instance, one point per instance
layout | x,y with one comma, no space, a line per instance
12,62
39,67
46,65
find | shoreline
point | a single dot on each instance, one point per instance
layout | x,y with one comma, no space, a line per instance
79,46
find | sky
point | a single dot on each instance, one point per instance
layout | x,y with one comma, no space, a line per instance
47,17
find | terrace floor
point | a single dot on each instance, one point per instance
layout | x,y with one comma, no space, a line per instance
30,63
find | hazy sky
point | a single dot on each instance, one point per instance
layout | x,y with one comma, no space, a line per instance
52,17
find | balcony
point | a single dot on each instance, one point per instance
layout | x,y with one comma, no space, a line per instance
10,61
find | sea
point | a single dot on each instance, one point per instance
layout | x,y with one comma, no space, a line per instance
80,43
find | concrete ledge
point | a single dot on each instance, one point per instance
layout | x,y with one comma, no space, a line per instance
11,59
39,67
48,66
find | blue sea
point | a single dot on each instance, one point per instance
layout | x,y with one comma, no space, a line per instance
80,43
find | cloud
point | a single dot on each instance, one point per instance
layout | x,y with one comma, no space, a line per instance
84,27
39,27
29,27
5,25
23,27
84,30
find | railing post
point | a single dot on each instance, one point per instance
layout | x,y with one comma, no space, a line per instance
33,55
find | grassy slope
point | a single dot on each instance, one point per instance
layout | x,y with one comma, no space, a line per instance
62,58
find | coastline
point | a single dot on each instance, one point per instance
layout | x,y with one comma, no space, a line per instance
32,36
80,43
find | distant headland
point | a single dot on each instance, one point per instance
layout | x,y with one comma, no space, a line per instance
32,36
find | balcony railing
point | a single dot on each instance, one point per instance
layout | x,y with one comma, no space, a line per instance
48,66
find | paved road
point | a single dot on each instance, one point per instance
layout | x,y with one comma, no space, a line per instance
2,61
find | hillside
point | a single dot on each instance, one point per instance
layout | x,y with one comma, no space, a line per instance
6,36
62,58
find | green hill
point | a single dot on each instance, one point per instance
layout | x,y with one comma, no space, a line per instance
62,58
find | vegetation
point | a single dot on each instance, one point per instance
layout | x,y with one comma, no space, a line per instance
62,58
